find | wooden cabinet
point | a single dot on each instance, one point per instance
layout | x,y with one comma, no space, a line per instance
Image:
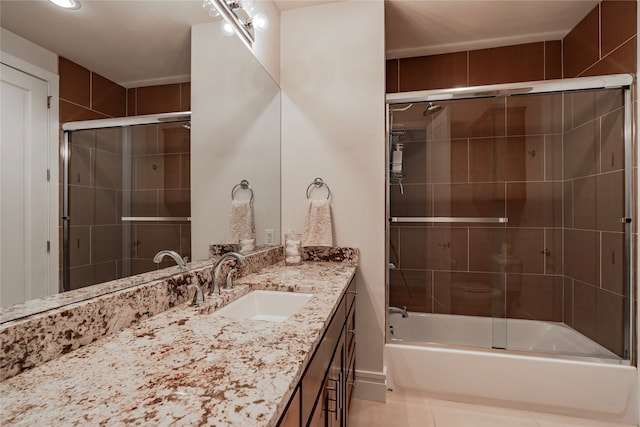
291,416
325,391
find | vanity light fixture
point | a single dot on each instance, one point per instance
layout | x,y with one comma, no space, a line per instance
237,18
67,4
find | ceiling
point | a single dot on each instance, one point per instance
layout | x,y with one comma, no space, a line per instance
131,42
420,27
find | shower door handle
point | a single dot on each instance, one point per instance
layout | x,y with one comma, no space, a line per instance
450,219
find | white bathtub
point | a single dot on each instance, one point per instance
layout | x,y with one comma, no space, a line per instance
598,387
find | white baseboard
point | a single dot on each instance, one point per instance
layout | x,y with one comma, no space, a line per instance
371,386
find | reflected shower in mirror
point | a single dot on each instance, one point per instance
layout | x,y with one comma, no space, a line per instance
242,124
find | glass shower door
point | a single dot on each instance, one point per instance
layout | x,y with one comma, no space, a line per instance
156,206
510,217
448,220
127,197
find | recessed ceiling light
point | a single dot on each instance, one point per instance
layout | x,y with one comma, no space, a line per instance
67,4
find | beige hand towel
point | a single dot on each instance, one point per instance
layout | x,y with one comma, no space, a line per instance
318,229
241,225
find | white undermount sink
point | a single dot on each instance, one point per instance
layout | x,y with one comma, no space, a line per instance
273,306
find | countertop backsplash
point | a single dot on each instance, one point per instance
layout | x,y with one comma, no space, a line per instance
33,338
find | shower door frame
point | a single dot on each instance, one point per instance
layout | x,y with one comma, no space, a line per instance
121,122
614,81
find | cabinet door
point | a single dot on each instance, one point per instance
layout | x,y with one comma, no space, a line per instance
318,418
335,389
291,417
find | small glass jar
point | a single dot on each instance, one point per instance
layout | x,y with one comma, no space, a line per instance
293,249
247,243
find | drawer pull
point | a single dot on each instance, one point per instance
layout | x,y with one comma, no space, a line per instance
336,401
351,331
353,292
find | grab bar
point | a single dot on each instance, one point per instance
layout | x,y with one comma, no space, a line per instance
440,219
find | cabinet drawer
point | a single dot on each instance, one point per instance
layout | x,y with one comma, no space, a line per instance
350,294
350,384
351,333
315,374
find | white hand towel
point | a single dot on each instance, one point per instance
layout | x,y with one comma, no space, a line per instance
318,229
241,224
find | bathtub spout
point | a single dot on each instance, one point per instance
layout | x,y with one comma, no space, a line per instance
402,311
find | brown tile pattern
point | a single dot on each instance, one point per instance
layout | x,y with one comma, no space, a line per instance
158,99
581,45
392,75
75,84
96,174
526,62
553,60
160,187
507,64
185,96
604,42
621,60
559,256
107,96
433,72
618,21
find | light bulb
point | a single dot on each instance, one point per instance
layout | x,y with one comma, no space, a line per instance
260,21
227,29
67,4
210,8
248,5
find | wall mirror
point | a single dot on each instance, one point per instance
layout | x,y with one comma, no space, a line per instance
235,134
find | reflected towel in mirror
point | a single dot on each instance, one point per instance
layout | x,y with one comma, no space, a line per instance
241,224
318,227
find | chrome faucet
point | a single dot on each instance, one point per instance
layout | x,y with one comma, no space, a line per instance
176,257
216,270
402,311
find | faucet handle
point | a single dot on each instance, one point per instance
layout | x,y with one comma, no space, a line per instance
198,297
230,278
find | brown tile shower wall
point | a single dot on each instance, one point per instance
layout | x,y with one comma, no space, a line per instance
526,62
484,158
160,186
604,42
159,99
96,175
583,291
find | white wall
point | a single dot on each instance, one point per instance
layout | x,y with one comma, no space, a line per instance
333,99
266,47
235,135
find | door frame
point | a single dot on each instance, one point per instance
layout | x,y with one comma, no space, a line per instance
53,159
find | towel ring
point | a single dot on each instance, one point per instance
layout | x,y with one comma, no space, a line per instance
318,183
244,185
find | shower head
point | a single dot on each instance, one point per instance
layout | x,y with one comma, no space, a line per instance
431,109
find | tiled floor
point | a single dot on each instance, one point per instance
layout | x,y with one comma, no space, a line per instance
403,410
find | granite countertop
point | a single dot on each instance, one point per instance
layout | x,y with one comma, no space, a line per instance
185,366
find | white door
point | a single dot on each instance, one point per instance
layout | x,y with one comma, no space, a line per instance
24,190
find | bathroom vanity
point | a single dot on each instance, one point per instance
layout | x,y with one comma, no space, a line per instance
189,366
324,393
